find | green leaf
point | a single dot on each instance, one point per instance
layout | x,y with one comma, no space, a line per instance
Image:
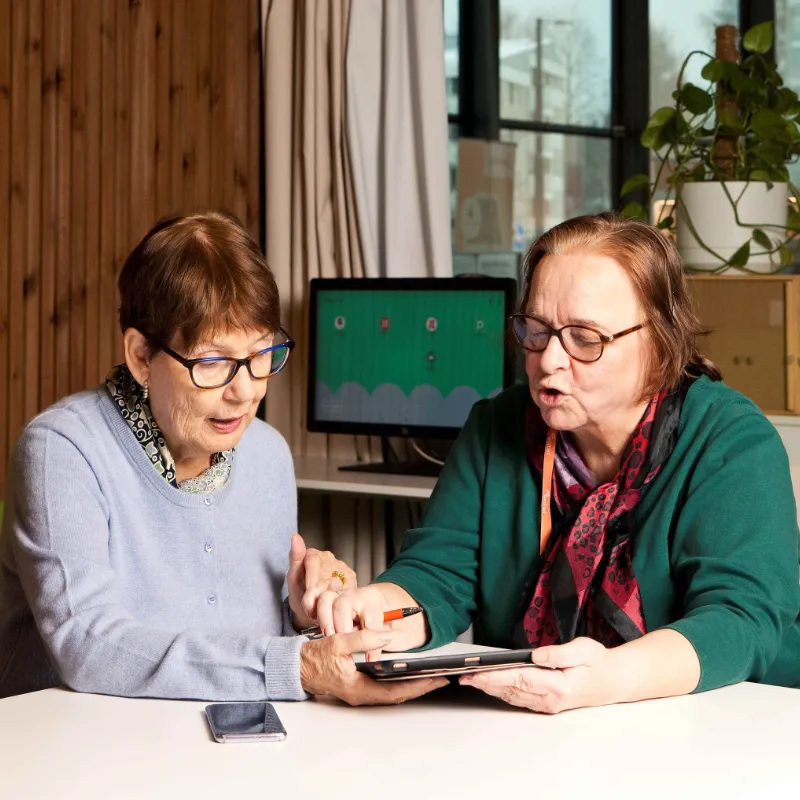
696,100
792,130
767,155
759,38
653,132
793,223
635,210
740,81
730,119
760,175
741,256
667,222
787,256
712,71
766,124
785,101
634,182
762,239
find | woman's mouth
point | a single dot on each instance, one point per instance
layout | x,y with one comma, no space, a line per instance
227,425
551,397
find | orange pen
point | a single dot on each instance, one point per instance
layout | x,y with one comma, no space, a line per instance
400,613
388,616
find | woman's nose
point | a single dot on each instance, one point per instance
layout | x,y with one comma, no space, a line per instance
242,387
554,356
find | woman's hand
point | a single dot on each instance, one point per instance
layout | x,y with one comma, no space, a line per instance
582,674
343,612
327,667
311,572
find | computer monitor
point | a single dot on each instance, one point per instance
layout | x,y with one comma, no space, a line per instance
406,356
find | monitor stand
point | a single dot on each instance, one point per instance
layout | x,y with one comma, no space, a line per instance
391,466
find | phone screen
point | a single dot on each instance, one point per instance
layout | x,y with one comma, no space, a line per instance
245,721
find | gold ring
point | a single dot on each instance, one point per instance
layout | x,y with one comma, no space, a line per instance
340,575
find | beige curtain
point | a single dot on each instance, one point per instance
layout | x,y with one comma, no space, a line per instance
357,182
397,121
312,231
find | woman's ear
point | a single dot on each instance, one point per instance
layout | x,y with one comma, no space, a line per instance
137,355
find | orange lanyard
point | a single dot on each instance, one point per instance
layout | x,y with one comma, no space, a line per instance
547,485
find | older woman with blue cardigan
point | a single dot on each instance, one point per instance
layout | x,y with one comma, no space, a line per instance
148,545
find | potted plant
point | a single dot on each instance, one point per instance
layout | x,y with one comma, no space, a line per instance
723,153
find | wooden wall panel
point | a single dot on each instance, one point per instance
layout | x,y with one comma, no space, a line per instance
76,288
94,113
107,317
18,206
61,319
47,267
5,226
141,210
163,80
178,91
252,176
113,113
32,296
122,151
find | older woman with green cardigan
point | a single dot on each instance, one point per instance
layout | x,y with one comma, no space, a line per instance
625,514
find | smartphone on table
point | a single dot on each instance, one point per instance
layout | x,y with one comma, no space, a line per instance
245,722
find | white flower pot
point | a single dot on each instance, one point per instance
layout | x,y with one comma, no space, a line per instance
712,215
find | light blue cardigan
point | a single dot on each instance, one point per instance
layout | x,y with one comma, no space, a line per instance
112,581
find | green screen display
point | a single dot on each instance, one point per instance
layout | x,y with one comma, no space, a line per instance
407,357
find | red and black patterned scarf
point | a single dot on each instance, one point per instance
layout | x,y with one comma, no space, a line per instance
586,585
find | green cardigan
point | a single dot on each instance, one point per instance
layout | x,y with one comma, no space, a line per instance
715,549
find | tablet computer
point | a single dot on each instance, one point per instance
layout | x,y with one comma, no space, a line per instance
403,667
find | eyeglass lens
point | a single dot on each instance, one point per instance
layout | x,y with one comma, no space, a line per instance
211,374
581,343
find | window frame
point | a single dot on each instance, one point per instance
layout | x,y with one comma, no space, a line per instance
479,83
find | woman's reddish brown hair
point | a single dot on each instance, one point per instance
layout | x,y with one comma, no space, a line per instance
654,265
195,275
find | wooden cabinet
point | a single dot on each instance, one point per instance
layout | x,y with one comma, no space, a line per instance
755,336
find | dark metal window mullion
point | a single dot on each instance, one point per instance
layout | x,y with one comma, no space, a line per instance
554,127
479,84
479,69
752,12
630,92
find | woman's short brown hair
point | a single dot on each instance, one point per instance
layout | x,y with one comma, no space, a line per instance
653,263
197,274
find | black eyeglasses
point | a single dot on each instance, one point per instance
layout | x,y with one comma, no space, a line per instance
582,343
216,371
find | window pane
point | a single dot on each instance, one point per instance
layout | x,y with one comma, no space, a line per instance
787,52
574,175
555,61
676,28
451,54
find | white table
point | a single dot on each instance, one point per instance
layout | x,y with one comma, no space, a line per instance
737,742
324,475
